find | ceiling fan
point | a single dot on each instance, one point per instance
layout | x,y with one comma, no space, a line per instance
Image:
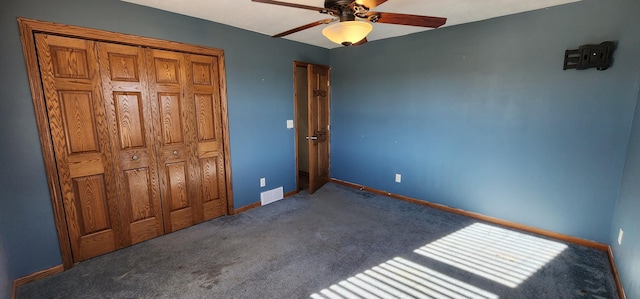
350,31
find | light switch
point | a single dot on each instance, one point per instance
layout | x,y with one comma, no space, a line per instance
289,123
620,234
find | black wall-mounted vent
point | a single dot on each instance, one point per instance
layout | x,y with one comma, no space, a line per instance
589,56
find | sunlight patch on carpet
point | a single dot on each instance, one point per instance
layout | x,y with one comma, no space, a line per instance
495,253
401,278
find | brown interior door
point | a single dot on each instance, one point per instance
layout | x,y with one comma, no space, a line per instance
318,130
203,90
70,76
134,139
174,119
126,98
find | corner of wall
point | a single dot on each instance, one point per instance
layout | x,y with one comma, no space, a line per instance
626,209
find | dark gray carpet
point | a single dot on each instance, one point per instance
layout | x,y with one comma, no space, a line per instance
338,243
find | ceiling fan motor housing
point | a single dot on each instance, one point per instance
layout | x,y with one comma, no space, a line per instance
346,10
337,4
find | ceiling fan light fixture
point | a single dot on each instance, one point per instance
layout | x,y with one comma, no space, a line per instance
348,32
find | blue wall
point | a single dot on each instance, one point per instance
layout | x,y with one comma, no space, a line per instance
483,118
478,116
260,100
6,283
626,214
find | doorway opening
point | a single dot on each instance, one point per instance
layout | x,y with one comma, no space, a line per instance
302,125
312,136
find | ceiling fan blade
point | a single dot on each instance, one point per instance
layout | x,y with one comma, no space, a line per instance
303,27
295,5
370,4
404,19
362,42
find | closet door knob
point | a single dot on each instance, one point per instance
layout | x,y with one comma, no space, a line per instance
135,157
175,152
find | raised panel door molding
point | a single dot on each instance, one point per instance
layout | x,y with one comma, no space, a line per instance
81,143
125,94
107,174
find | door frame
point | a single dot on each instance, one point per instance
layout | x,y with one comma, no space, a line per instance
297,64
28,28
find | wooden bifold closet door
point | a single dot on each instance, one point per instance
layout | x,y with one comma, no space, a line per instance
137,137
190,151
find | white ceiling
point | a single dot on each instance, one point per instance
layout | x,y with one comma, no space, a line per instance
273,19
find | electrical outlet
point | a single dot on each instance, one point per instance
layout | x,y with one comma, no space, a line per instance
263,182
398,178
620,237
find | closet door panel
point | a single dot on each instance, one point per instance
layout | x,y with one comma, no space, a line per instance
213,186
177,195
81,143
204,92
130,119
93,217
129,111
171,112
174,116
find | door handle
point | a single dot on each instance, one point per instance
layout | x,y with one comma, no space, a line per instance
312,137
